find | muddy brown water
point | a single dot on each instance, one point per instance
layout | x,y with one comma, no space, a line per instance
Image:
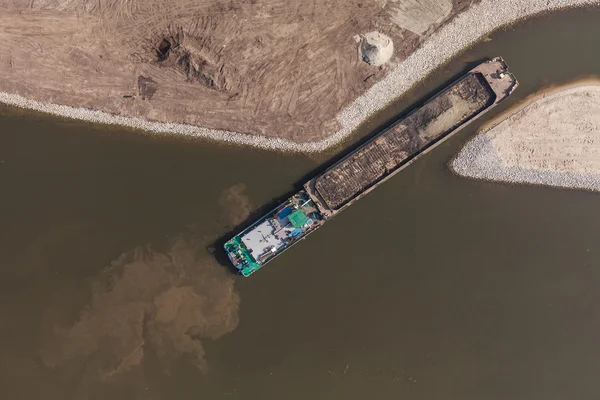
431,287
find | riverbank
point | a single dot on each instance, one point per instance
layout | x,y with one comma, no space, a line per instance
275,68
463,31
550,139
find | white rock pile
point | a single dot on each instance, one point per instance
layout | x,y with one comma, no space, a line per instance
101,117
462,32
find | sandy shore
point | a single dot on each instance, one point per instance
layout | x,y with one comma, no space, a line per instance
461,33
551,139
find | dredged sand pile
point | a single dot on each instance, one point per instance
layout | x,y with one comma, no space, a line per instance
552,139
376,48
462,32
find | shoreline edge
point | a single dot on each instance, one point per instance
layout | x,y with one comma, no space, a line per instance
464,31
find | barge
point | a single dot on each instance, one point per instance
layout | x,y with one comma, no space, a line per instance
375,161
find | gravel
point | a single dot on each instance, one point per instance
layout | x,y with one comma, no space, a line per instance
479,160
464,31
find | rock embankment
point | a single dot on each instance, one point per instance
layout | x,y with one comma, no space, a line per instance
552,140
463,31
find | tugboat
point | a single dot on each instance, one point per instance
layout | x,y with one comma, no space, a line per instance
274,233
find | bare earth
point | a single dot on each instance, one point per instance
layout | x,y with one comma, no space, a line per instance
552,139
278,68
558,132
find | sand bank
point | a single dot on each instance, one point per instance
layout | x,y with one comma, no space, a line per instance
551,139
462,32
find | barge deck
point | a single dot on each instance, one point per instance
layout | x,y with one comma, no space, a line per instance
404,141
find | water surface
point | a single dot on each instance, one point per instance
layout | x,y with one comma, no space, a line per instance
430,287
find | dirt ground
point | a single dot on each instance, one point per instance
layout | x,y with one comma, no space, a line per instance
558,131
279,68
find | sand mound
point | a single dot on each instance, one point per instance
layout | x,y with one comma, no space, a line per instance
553,139
376,48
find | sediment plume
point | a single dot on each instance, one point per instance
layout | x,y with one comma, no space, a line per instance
163,302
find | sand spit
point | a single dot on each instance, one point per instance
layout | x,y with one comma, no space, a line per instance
552,139
463,31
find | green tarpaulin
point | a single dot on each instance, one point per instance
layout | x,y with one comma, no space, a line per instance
298,218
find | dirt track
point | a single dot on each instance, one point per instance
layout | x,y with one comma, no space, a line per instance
276,68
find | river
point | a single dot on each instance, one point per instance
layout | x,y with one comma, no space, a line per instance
431,287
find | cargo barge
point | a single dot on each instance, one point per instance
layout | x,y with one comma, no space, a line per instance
377,160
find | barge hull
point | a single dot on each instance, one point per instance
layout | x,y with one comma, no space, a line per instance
406,140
